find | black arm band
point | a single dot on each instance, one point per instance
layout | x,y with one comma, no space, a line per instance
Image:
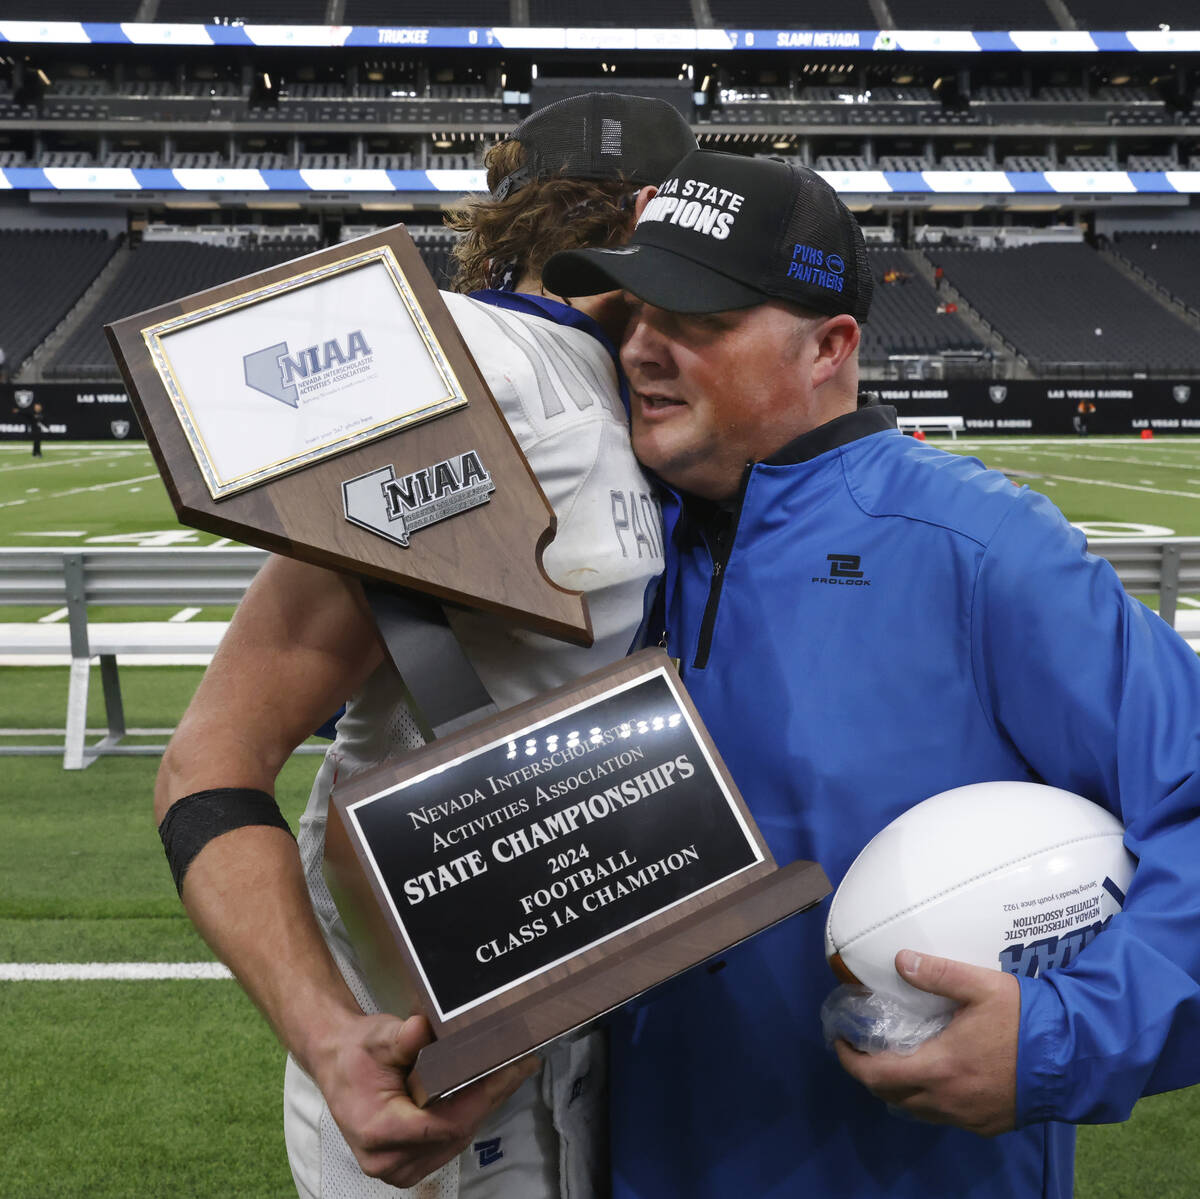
193,821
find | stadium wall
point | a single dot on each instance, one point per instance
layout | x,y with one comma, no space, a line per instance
102,412
1026,406
71,412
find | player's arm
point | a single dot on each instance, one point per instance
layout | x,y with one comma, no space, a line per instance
300,643
296,647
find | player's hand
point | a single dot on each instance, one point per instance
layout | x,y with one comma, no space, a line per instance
967,1075
364,1079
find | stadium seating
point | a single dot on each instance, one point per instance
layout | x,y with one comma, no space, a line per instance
841,162
426,12
1068,311
902,162
273,12
1170,260
1117,14
1151,162
69,10
904,314
964,162
45,272
649,14
979,14
156,273
435,246
1089,162
786,14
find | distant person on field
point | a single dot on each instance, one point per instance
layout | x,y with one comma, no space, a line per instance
37,429
1083,410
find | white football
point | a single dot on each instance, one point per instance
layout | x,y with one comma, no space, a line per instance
1015,876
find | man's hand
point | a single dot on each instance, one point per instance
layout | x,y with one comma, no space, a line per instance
967,1075
364,1079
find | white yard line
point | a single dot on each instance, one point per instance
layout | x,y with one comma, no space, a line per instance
23,972
184,614
1034,451
46,463
54,617
58,495
1185,495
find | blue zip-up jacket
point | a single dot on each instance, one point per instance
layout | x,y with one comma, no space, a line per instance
891,621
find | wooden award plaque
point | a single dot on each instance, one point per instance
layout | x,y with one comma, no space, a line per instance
329,410
517,880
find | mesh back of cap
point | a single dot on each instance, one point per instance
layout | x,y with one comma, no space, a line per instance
604,135
819,218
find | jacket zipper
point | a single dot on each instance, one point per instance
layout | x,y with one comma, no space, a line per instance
720,557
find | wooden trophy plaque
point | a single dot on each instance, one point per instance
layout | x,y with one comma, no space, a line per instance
329,410
517,880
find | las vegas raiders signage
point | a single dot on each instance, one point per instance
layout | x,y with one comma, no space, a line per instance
519,879
328,409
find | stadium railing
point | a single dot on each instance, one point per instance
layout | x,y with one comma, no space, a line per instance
79,579
1167,567
181,577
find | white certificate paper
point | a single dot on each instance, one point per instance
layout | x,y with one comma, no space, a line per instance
279,378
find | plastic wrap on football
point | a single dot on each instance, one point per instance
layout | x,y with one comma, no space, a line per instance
1015,876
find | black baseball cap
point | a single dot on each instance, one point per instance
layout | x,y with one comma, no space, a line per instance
600,135
725,232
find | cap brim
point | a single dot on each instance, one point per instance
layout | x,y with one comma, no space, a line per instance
659,277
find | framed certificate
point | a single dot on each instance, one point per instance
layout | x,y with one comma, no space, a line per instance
328,409
283,376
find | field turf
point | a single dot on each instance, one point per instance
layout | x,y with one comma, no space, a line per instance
115,1089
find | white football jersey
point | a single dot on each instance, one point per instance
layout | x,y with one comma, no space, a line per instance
557,387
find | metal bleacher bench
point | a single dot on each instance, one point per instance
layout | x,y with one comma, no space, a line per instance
931,424
176,577
79,579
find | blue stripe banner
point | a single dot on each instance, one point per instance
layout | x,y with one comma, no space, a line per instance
952,41
231,179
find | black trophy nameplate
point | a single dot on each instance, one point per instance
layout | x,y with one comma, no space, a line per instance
536,847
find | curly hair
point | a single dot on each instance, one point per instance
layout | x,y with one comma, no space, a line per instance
541,218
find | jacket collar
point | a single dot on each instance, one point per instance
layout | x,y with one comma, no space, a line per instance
868,419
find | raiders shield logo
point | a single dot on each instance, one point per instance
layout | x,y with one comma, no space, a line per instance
1182,393
997,393
120,428
23,397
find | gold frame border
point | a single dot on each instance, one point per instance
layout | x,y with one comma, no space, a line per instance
153,336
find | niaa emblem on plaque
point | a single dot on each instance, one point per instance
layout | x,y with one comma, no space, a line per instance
396,508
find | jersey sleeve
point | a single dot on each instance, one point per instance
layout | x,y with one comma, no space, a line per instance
1102,698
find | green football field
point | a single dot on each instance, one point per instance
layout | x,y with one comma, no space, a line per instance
123,1087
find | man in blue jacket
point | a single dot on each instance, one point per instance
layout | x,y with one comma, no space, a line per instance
979,642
